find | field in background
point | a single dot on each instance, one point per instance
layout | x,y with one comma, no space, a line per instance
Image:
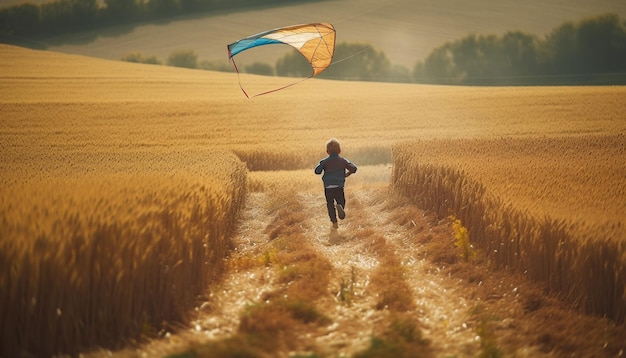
111,106
93,149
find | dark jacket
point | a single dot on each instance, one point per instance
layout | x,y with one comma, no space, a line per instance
334,168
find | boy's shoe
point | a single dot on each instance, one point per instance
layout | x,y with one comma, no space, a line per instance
340,212
335,225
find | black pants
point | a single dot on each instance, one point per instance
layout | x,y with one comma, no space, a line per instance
334,195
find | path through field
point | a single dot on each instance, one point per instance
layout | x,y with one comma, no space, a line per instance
441,310
462,310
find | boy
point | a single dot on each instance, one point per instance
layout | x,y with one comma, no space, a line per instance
335,169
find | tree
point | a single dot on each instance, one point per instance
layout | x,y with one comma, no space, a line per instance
120,11
19,20
138,57
215,65
189,6
84,13
601,44
183,58
590,51
293,64
55,16
399,74
522,52
562,52
490,60
437,68
162,8
586,50
359,62
260,68
68,15
356,62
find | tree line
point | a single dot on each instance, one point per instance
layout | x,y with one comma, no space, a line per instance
591,51
588,51
29,20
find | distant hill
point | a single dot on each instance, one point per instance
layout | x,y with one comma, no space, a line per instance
406,30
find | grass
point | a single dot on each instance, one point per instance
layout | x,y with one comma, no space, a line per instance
400,335
401,338
388,279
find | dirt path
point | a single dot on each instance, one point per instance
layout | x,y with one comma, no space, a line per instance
462,310
441,310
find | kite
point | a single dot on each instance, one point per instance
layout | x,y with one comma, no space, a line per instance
316,42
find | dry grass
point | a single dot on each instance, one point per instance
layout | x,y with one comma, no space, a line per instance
551,208
401,337
388,279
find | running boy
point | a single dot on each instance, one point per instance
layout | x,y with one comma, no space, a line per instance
335,169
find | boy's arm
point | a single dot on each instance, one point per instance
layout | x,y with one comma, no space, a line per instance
350,167
320,167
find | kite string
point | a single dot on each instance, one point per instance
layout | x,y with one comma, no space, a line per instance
348,57
266,92
238,77
281,88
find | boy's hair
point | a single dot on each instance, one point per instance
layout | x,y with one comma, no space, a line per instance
333,146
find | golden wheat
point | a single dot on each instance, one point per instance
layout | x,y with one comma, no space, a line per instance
59,101
103,150
96,259
552,208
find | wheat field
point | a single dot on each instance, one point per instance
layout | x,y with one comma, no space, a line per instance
549,207
100,257
111,105
121,182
